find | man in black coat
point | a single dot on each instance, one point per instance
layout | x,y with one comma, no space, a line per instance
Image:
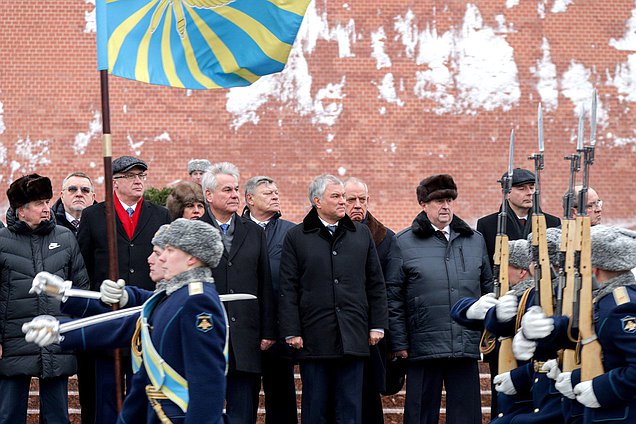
263,207
136,223
77,194
244,268
332,304
375,370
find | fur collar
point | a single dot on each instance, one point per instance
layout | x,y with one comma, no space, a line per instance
312,222
378,230
625,279
194,275
422,226
522,286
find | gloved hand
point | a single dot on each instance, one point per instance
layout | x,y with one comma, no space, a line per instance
552,368
584,392
507,307
478,309
522,348
535,325
113,292
564,385
503,384
42,330
49,284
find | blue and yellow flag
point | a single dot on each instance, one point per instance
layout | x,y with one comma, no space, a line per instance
196,44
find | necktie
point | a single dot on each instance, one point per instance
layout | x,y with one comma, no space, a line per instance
224,228
441,235
522,221
130,211
332,228
75,223
263,224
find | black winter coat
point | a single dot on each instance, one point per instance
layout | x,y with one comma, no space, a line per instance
245,269
24,253
487,226
132,253
332,288
434,275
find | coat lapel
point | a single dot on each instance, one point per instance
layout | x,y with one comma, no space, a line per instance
240,233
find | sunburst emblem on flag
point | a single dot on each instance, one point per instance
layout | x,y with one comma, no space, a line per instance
177,7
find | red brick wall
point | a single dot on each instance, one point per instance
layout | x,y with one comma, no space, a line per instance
49,91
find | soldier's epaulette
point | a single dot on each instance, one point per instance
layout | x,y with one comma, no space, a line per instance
195,288
621,296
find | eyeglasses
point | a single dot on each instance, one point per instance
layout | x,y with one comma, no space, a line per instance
595,205
73,189
131,176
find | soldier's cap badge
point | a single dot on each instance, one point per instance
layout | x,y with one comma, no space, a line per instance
204,322
629,324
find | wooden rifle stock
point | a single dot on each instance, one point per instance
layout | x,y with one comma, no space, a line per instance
542,268
591,355
568,233
507,361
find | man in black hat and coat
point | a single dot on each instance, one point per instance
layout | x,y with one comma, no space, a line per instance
32,243
136,223
443,260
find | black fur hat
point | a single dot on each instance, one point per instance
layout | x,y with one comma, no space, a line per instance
28,189
439,186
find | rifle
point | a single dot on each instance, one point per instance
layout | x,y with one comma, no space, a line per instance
591,355
542,271
507,361
569,270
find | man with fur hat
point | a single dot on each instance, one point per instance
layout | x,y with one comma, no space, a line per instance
182,332
443,260
31,243
519,224
198,167
186,201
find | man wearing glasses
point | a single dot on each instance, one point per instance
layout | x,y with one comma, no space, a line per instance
594,205
77,194
136,223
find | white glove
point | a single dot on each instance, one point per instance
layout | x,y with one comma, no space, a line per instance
113,292
522,348
584,392
503,384
552,368
43,330
535,325
52,285
478,309
564,385
507,307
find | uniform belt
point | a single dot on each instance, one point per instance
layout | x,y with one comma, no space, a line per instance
538,367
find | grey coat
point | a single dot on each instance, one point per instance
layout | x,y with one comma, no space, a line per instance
434,275
24,253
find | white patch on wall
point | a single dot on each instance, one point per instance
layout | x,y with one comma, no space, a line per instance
377,46
164,136
3,155
83,139
90,25
576,86
387,90
328,104
541,8
342,171
2,126
628,42
545,72
476,60
625,80
511,3
406,32
316,26
560,6
33,153
135,145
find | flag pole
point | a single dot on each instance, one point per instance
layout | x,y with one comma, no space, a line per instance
111,236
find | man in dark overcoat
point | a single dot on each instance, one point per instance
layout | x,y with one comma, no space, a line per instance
332,304
244,268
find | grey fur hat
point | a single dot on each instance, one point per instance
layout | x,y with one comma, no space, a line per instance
519,254
197,238
553,236
613,248
199,165
158,238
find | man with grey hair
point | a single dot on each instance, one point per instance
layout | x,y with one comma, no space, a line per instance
594,205
77,194
244,268
262,205
332,304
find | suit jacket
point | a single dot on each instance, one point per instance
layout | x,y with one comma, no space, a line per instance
132,253
487,226
245,269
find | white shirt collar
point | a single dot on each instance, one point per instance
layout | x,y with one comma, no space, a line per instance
325,223
445,230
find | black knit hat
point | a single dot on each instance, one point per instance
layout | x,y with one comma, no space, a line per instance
28,189
520,176
439,186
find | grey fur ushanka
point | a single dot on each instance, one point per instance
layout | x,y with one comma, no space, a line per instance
24,253
434,275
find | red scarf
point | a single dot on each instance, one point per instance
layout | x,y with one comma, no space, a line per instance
129,223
